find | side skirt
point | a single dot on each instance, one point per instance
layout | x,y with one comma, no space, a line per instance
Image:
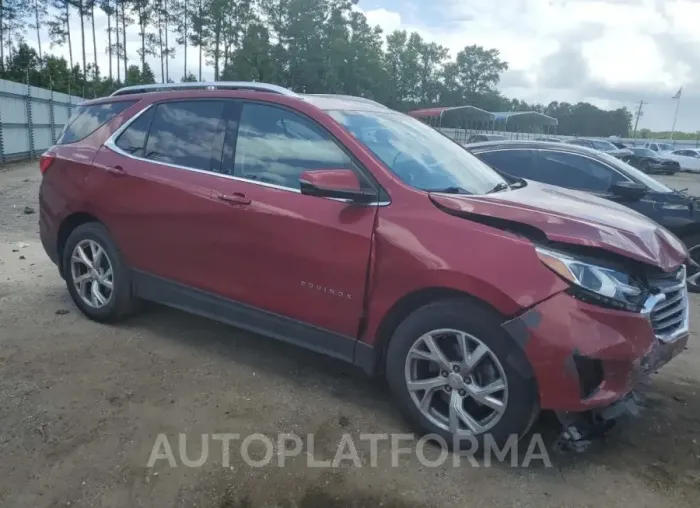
176,295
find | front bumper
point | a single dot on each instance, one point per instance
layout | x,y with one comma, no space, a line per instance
587,357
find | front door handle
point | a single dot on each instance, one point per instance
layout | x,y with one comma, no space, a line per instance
237,198
116,170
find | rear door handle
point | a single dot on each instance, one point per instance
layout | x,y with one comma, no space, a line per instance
116,170
236,198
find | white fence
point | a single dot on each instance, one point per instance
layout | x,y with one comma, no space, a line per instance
31,119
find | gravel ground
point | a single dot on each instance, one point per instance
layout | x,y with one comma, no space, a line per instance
81,405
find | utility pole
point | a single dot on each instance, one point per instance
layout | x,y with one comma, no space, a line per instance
636,122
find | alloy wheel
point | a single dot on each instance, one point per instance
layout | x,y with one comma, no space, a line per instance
456,381
92,274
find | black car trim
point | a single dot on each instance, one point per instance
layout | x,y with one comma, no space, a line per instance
179,296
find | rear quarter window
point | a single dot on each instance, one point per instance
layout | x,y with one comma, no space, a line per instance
87,119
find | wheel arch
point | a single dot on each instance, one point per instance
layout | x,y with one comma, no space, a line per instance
68,225
409,303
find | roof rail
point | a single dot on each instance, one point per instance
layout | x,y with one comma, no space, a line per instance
216,85
348,98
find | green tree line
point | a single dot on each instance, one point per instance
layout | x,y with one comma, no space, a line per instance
314,46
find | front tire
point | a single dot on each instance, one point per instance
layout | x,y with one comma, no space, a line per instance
97,279
457,374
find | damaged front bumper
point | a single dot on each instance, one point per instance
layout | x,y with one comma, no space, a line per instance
588,358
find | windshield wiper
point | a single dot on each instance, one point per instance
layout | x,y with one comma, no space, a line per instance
451,190
499,187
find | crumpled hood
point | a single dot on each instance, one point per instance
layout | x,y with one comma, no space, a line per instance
577,218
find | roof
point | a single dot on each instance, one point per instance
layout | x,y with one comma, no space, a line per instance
440,112
505,115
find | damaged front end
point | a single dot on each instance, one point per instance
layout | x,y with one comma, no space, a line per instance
590,358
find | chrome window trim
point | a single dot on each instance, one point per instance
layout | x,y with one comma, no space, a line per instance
566,152
112,145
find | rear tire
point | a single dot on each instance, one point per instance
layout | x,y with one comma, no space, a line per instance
96,277
453,382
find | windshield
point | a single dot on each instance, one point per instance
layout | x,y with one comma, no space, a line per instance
418,154
605,146
638,175
643,152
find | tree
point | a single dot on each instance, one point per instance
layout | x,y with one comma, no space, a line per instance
181,15
59,27
40,9
12,15
108,8
475,71
200,30
83,8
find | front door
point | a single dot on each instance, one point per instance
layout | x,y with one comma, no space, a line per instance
301,257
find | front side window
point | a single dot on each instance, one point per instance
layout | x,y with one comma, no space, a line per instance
643,152
186,133
577,172
276,146
87,119
417,154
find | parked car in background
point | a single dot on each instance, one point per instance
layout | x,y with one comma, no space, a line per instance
598,173
653,162
350,229
659,147
475,138
603,145
687,158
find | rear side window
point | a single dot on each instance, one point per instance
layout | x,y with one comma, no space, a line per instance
133,139
187,133
513,162
87,119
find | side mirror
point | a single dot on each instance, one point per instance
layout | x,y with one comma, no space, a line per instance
335,183
631,191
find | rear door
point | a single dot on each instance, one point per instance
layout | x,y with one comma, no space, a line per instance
301,257
157,196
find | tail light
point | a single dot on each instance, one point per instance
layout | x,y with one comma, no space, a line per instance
45,162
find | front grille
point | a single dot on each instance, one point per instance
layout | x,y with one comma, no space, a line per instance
670,316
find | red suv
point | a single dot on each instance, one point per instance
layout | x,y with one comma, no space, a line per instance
337,224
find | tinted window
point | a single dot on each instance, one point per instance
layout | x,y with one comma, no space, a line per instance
186,133
275,146
133,139
87,119
514,162
576,172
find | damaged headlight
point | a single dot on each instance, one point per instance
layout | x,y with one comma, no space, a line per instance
595,283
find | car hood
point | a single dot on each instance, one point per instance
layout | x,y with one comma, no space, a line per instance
577,218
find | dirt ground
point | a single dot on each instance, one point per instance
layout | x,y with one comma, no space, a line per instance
81,405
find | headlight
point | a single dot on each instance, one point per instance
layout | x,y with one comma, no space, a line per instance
594,283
